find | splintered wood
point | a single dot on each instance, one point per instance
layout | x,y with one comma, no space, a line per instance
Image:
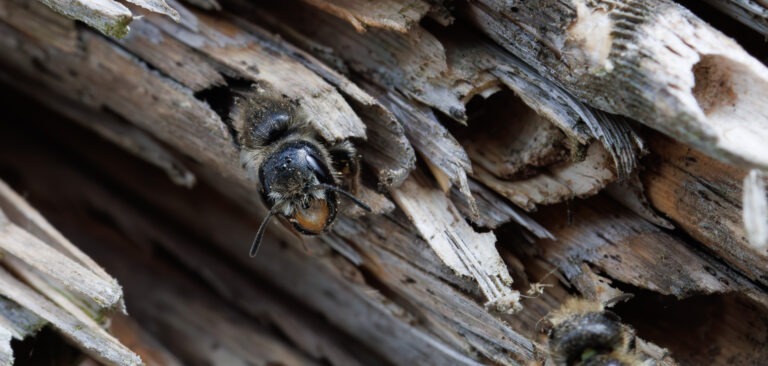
752,13
108,16
703,197
93,340
468,253
667,69
524,141
77,289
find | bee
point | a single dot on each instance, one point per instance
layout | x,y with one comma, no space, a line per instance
583,333
300,174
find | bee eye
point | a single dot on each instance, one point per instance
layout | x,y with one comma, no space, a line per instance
313,163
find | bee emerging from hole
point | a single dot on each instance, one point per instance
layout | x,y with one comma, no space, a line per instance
300,174
583,333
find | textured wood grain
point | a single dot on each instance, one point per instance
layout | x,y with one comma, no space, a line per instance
157,6
93,341
358,309
495,211
20,212
398,15
445,70
753,13
29,249
703,197
200,328
631,250
557,183
395,291
109,17
18,320
6,353
456,66
755,209
653,61
465,251
443,154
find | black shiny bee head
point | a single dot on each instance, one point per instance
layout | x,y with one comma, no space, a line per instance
297,170
295,176
584,334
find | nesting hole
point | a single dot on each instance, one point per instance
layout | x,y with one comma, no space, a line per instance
713,87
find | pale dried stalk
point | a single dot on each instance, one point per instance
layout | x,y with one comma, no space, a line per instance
63,274
76,278
109,17
93,341
755,212
19,321
85,310
21,213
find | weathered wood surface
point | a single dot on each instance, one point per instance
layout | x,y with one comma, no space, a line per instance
206,136
755,201
92,338
410,282
61,285
753,13
468,253
360,310
29,249
108,16
403,289
18,320
653,61
703,197
6,353
398,15
447,69
422,287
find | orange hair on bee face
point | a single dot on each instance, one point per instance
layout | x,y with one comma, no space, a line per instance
314,217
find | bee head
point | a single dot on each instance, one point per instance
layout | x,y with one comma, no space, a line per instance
298,184
289,178
586,337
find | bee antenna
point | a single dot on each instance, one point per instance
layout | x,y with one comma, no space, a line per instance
262,229
347,194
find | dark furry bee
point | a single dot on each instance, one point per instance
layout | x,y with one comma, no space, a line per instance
583,333
300,174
